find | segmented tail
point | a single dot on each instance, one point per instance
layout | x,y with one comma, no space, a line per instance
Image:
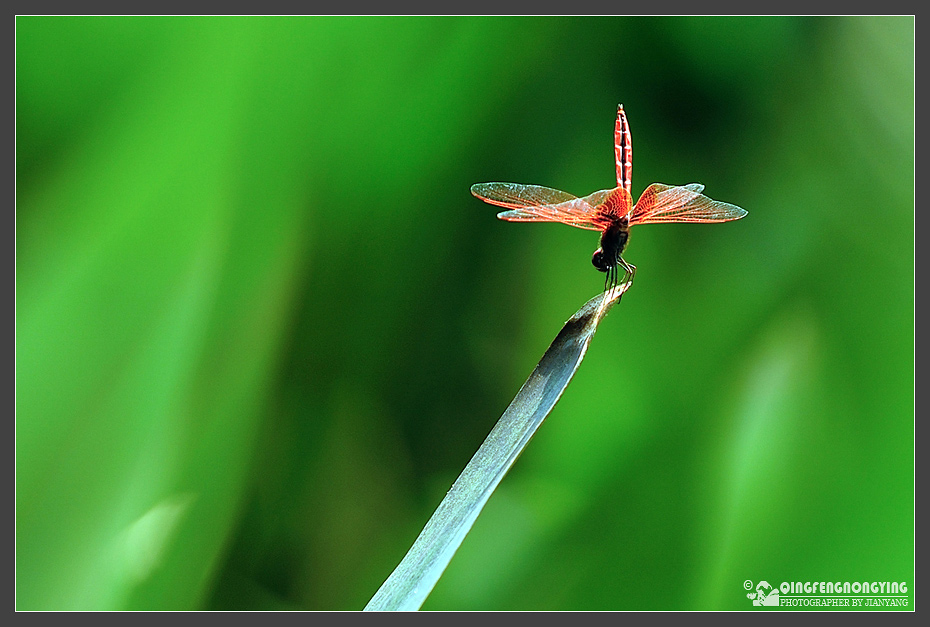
623,149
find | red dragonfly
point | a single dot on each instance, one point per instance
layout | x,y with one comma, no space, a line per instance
610,211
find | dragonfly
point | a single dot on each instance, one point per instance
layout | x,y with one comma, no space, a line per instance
610,211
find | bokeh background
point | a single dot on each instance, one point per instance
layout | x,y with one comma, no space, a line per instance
262,324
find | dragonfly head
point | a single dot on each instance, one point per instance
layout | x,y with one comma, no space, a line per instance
600,261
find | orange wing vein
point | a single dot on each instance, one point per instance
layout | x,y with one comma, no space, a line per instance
534,203
685,203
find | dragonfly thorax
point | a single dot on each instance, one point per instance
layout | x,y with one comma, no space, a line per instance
613,241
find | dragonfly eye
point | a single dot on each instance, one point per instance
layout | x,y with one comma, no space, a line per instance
599,261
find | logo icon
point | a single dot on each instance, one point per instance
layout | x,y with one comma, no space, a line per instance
765,594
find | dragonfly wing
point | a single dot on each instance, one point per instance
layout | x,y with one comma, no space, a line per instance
683,203
534,203
598,198
611,204
517,196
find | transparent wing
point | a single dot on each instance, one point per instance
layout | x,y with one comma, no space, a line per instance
517,196
598,198
685,203
534,203
610,204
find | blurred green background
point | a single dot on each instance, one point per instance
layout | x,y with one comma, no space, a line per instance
262,324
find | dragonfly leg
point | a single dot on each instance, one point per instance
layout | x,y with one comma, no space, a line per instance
611,279
628,268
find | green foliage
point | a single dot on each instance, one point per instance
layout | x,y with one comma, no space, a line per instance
262,325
